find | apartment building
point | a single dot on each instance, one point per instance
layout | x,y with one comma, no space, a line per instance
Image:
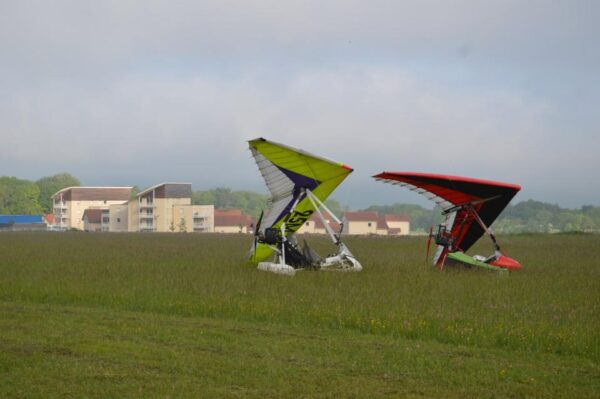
193,218
167,207
70,203
118,216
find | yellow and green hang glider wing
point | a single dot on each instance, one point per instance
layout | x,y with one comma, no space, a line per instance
287,172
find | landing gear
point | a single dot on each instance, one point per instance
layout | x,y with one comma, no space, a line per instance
289,257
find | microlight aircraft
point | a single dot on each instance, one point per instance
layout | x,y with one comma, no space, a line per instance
470,206
299,183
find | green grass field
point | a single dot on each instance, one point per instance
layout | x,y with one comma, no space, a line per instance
170,315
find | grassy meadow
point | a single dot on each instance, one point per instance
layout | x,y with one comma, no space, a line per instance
176,315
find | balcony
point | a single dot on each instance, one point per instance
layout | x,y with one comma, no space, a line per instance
58,217
146,204
146,222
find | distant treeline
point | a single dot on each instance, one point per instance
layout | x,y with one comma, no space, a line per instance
536,216
526,216
20,196
25,197
251,203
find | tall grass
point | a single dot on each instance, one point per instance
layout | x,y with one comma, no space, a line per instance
551,306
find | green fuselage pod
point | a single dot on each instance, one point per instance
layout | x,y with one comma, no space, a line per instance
462,258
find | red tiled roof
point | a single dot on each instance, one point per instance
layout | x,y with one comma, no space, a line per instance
227,220
93,215
397,218
332,224
228,212
361,216
381,223
49,217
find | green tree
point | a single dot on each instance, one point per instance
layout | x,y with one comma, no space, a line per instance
135,190
19,197
224,198
249,202
203,198
48,186
335,207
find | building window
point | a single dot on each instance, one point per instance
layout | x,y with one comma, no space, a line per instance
369,224
118,220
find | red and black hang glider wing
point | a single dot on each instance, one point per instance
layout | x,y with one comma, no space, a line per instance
488,198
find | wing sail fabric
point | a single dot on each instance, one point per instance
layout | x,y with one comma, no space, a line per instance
287,171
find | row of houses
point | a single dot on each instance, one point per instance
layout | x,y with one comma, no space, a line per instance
167,207
360,223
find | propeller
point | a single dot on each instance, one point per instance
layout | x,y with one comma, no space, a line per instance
429,243
258,223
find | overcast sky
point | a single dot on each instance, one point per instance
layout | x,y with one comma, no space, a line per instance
127,92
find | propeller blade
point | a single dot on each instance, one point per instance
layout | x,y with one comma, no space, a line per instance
257,228
428,243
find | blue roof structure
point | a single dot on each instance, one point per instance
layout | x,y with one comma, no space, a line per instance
21,219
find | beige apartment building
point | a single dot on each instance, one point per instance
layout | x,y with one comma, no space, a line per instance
193,218
70,203
167,207
118,215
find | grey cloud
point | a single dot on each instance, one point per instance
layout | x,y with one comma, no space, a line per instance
116,31
147,91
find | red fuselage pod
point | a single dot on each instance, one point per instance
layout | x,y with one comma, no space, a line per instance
506,263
